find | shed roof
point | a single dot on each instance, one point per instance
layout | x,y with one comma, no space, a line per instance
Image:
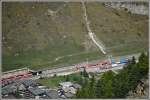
65,84
29,82
69,95
9,89
52,94
77,86
36,91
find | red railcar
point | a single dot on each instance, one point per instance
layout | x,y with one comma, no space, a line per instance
19,76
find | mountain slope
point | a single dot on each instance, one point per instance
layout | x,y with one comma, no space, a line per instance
54,34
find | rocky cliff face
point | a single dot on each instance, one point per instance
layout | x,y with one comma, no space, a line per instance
133,7
141,91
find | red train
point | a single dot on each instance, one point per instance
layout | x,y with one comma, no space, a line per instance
102,65
16,77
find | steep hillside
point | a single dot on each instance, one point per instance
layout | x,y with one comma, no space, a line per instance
54,34
35,34
120,31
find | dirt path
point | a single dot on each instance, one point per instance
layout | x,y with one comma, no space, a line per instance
92,35
70,55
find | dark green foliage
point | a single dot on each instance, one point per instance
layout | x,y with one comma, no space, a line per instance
98,90
106,85
67,78
79,93
92,81
85,74
134,76
143,64
120,84
92,87
128,78
133,60
111,85
55,75
84,92
80,81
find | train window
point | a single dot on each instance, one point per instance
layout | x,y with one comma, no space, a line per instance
34,73
40,72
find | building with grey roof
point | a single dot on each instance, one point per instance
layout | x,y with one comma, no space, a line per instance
36,91
52,94
68,95
76,86
9,89
66,84
29,82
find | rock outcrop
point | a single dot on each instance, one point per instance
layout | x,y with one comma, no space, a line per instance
141,8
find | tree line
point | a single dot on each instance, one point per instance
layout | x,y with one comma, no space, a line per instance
111,85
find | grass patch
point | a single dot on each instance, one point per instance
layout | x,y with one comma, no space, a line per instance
54,81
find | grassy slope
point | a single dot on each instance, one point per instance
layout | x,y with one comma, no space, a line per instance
33,38
120,31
